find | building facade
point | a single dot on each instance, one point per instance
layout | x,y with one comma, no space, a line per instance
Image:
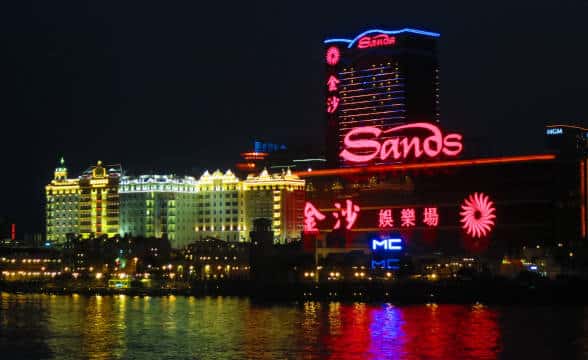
99,202
219,207
279,197
379,79
62,208
181,209
161,206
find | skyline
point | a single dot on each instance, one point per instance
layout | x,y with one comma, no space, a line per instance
84,64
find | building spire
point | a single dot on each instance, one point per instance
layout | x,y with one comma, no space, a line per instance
60,171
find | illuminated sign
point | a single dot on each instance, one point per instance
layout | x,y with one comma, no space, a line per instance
375,41
349,213
554,131
332,104
477,215
333,55
388,264
387,244
311,215
361,144
385,252
332,83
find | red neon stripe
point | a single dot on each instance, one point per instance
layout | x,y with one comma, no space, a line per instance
418,166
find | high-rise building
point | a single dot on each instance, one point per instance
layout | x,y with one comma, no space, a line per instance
380,79
161,206
62,208
99,202
278,197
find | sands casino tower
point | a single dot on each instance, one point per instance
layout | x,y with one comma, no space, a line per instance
379,78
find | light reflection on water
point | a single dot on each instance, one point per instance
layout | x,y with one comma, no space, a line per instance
106,327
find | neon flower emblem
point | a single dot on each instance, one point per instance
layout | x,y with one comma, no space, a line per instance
333,55
477,215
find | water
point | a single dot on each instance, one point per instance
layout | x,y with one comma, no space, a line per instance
105,327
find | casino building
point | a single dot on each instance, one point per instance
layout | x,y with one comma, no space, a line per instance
379,78
399,185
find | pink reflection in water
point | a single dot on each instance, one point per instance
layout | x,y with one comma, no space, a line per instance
413,332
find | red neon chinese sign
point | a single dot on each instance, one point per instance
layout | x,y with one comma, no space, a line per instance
332,104
349,213
311,215
362,145
407,217
477,215
332,83
385,219
431,216
375,41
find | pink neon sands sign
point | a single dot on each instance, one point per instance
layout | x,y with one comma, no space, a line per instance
362,145
376,41
478,215
333,55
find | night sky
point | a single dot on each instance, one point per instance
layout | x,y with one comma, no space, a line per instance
184,86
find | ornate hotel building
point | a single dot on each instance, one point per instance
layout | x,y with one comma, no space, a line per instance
279,197
99,202
62,210
161,206
220,207
181,209
86,206
217,205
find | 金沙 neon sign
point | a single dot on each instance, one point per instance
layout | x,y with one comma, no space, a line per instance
375,41
361,144
347,215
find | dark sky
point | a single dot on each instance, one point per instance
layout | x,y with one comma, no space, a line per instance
182,86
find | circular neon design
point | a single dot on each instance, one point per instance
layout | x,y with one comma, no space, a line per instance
478,215
333,55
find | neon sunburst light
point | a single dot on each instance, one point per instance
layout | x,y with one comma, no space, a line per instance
478,215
